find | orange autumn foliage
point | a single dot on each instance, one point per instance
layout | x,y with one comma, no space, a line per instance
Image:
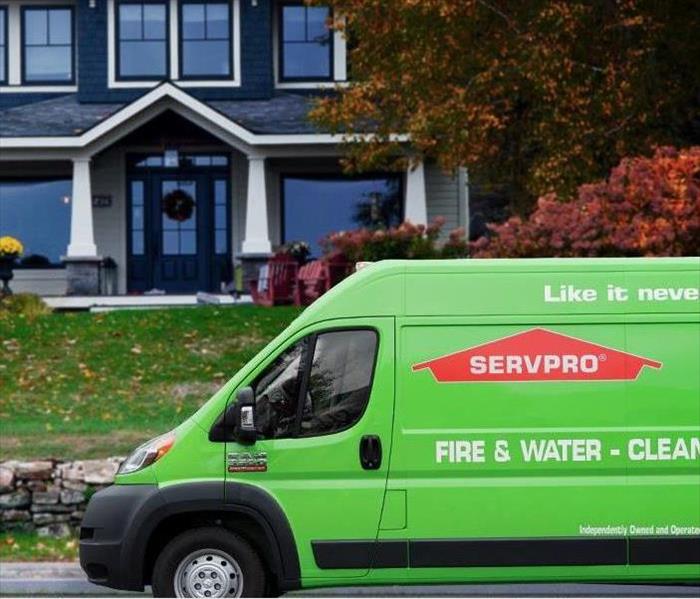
540,95
647,207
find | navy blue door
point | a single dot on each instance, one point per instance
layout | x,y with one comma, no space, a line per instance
179,225
181,239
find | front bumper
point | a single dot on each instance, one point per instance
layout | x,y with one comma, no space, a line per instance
114,533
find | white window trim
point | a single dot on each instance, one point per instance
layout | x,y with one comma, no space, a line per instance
174,49
14,53
340,63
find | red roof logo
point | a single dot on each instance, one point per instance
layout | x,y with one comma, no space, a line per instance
536,355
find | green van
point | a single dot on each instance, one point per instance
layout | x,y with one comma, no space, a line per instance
433,422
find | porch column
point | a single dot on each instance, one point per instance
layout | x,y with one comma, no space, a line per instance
416,208
257,237
82,237
82,261
256,247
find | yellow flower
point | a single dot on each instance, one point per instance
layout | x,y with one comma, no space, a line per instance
9,246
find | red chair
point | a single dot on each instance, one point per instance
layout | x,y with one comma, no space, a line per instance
277,284
312,282
317,277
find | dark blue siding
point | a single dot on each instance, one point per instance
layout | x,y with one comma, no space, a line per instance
256,57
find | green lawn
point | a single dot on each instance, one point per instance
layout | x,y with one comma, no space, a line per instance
92,385
29,547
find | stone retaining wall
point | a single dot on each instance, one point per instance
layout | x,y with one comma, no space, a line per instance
49,496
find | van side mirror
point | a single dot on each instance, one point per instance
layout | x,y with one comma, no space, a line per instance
237,423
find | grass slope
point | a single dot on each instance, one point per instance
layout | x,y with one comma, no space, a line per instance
29,547
83,385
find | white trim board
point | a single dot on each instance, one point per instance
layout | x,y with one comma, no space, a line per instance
165,92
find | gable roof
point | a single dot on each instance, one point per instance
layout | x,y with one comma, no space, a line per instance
63,122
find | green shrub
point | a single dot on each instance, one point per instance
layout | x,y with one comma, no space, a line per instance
28,305
411,241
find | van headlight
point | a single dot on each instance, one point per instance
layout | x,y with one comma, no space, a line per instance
147,454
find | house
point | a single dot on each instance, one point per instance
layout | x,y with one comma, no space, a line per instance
172,137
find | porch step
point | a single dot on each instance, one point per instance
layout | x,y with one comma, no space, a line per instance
105,303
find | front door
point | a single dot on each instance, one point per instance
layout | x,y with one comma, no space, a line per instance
323,410
180,247
179,223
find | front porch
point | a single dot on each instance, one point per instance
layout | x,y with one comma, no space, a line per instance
175,197
107,303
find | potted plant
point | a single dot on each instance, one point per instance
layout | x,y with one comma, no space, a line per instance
297,250
10,250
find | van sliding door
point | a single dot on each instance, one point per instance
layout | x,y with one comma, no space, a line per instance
506,449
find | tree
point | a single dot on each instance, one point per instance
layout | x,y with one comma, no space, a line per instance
542,95
647,207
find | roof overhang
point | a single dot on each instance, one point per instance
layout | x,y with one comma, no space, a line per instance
169,96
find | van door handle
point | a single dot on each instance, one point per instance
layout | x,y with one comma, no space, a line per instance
370,452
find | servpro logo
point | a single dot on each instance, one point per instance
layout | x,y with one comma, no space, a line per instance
536,355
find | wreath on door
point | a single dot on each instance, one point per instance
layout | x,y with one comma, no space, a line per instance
178,205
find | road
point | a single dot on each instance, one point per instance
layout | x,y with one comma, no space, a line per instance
67,579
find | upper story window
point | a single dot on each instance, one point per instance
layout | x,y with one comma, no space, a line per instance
305,43
3,45
47,45
142,39
193,42
205,40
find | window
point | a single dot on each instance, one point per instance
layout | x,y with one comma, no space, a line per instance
205,40
45,239
306,43
142,40
138,218
339,381
47,46
3,45
335,385
179,217
277,394
139,161
221,216
338,204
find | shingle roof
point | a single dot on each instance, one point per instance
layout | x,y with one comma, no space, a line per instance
282,114
61,116
65,116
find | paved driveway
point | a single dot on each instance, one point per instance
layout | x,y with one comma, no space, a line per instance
67,579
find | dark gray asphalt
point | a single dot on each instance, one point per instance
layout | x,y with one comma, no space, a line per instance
68,580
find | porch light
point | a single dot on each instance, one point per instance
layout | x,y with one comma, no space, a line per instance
65,199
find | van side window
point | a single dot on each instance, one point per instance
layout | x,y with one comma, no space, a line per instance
277,393
339,381
335,385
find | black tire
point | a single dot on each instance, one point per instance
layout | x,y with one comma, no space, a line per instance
162,582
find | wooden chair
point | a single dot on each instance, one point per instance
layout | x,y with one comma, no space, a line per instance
277,285
312,282
317,277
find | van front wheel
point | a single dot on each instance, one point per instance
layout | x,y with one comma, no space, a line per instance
208,562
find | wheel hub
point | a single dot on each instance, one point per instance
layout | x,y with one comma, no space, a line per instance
208,573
